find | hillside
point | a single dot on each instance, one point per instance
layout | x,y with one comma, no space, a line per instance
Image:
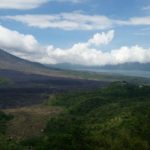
113,118
11,62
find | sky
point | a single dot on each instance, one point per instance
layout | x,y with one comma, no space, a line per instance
86,32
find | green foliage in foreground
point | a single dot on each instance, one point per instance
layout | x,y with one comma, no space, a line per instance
5,81
115,118
3,120
5,143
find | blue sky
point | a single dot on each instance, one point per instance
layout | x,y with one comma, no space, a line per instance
55,27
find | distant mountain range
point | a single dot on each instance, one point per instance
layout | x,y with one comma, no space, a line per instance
11,62
125,66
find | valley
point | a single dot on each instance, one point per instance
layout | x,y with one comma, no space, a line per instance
48,108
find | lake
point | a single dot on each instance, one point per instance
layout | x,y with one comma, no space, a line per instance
135,73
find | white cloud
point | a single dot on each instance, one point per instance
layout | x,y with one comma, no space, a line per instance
26,46
76,21
21,4
65,21
78,55
135,21
13,40
30,4
131,54
103,38
81,54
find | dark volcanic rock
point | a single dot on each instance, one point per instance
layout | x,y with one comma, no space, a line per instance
29,89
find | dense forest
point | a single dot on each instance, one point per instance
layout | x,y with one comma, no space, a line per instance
112,118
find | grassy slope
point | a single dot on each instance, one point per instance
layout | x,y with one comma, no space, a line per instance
5,81
108,119
24,123
29,121
114,118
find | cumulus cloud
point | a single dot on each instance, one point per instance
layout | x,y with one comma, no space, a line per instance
97,57
16,42
65,21
87,53
21,4
81,54
103,38
131,54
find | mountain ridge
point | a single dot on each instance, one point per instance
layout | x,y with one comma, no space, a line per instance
11,62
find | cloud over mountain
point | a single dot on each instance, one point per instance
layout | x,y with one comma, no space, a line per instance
86,53
16,41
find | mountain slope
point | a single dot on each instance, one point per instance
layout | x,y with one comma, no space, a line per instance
11,62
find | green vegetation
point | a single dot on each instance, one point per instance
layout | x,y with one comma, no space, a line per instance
113,118
29,121
5,144
4,81
3,120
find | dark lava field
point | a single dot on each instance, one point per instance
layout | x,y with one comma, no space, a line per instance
28,89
